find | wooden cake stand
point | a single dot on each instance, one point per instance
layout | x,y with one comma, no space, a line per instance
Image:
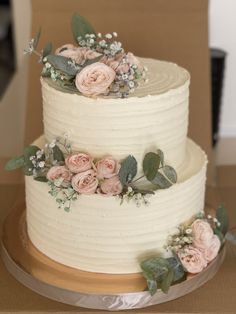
86,289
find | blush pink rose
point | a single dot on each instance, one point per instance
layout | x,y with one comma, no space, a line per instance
79,162
90,54
192,259
116,63
74,53
107,167
211,252
58,172
85,182
130,57
111,186
202,233
95,79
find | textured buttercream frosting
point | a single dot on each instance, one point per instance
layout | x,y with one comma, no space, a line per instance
100,235
156,115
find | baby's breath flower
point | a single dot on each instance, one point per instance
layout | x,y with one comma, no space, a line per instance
115,34
108,36
41,164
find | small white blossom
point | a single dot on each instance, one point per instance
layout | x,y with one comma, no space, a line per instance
131,84
41,164
215,220
99,35
108,36
188,231
130,189
53,144
209,217
48,65
115,34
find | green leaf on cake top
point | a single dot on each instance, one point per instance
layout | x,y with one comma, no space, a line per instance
47,50
36,39
80,27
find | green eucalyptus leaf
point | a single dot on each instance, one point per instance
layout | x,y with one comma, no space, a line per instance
80,27
91,61
154,268
167,280
152,286
58,154
222,217
219,234
151,163
47,49
175,264
160,181
170,173
41,179
161,155
15,163
28,169
61,63
30,151
128,170
36,39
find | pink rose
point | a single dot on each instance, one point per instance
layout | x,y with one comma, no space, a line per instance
90,54
131,59
118,63
213,249
192,259
111,186
74,53
107,167
58,172
202,233
85,182
79,162
94,79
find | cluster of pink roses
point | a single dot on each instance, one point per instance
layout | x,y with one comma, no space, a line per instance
86,177
95,79
203,250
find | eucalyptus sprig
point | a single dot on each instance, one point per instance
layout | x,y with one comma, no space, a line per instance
155,171
161,273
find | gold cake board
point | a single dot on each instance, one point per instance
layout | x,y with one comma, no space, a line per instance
86,289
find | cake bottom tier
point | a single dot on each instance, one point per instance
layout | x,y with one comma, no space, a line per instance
100,235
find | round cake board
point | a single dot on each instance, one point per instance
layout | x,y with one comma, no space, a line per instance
79,288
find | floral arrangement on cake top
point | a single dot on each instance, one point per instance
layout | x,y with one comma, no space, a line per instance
96,65
70,174
193,247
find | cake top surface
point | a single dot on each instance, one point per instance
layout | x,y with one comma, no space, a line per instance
162,77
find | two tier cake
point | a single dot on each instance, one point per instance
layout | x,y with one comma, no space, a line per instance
114,185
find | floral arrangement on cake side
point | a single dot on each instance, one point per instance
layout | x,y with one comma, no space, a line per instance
96,65
192,247
70,174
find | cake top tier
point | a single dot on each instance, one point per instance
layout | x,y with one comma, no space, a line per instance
162,77
98,66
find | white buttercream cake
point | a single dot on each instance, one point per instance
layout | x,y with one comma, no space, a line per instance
99,234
